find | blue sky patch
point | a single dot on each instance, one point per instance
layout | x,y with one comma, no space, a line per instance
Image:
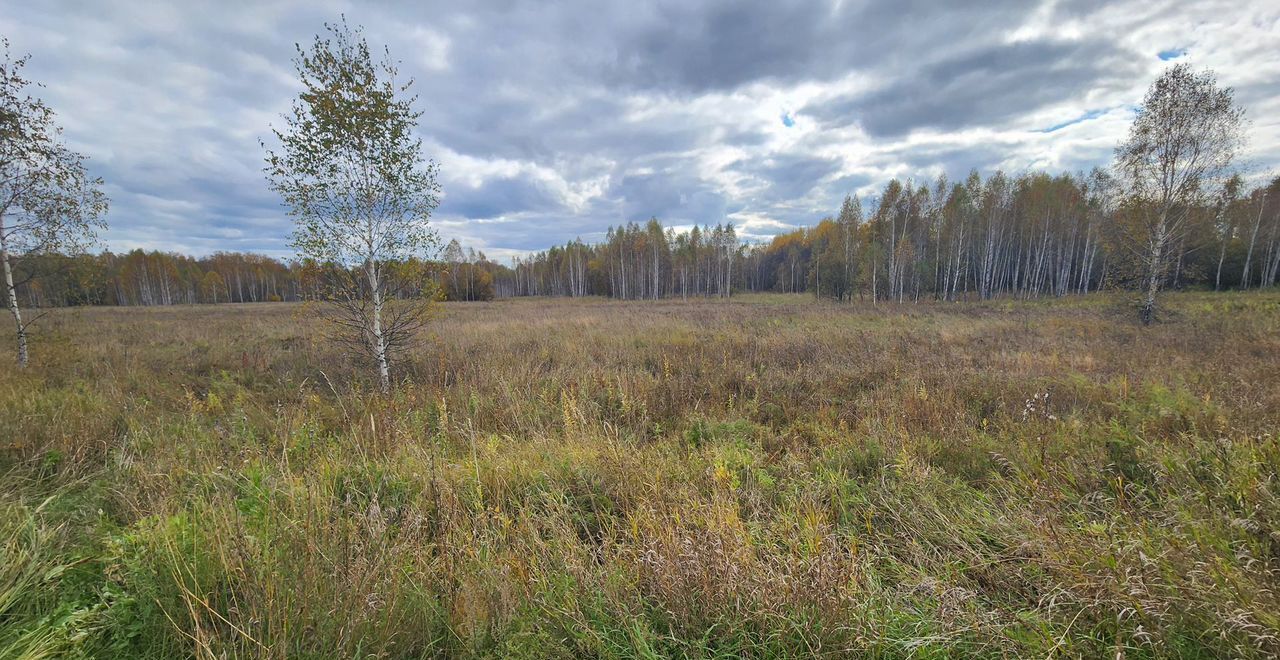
1092,114
788,120
1171,54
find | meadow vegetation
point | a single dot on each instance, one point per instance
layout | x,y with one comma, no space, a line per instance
763,476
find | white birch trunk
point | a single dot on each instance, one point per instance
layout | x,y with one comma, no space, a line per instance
12,292
379,342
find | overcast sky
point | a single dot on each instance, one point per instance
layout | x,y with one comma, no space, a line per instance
556,120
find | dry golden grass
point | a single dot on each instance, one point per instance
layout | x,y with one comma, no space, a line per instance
768,476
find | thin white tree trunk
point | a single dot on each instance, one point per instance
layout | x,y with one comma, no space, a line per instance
1148,311
13,301
1253,239
379,342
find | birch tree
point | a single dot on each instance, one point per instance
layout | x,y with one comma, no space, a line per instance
1246,277
850,220
1178,152
353,176
48,202
1224,224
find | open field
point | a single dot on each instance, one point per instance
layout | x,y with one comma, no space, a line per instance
767,477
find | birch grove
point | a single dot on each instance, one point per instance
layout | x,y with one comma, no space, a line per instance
1030,236
1047,236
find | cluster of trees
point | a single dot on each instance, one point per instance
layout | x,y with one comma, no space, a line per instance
1247,226
155,278
166,278
635,262
1025,236
466,275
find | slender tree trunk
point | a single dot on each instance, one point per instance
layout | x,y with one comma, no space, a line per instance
1253,238
1222,256
817,272
1272,263
379,342
13,300
1148,311
1177,271
728,275
656,271
873,281
848,259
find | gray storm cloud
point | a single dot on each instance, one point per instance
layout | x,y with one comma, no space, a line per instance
552,121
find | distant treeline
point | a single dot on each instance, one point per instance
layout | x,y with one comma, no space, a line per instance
164,278
1027,236
1032,235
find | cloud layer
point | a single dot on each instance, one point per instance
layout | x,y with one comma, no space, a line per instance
555,120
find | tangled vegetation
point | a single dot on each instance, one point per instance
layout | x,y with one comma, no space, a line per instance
763,476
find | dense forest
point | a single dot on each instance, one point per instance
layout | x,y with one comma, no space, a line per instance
1028,236
1024,236
165,278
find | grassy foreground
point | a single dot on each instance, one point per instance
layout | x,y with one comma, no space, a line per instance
765,477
